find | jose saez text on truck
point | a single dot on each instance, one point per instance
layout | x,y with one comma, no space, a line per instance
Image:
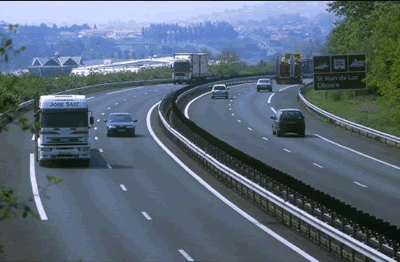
62,128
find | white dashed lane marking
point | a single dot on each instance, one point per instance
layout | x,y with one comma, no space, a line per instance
233,114
108,107
116,103
109,166
101,150
146,215
123,187
265,138
239,121
103,114
95,128
359,184
96,138
317,165
185,255
249,129
98,120
287,150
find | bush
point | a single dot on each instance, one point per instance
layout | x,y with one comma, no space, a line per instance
335,95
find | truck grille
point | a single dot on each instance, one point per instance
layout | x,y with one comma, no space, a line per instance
64,140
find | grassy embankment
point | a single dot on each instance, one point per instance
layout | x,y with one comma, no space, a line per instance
365,109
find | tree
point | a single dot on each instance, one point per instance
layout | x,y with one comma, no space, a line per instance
229,57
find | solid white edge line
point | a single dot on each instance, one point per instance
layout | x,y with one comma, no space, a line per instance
123,187
359,184
188,258
273,109
188,105
35,190
33,137
109,166
317,165
89,98
269,99
146,215
287,87
121,90
221,197
361,154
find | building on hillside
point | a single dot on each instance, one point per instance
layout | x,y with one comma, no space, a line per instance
53,66
67,35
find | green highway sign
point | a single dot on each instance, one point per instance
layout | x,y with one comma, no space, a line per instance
339,72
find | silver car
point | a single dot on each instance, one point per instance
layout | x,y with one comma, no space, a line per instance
219,90
264,84
120,123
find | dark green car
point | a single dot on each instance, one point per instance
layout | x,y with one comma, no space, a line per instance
288,121
120,124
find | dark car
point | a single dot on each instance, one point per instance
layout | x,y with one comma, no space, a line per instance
120,123
288,121
264,84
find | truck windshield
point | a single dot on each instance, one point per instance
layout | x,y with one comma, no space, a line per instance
182,66
65,119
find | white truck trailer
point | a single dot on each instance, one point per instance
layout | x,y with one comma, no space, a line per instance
62,128
189,67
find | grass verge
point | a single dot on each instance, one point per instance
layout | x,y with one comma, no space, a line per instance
364,109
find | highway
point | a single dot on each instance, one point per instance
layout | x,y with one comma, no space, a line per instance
135,202
363,173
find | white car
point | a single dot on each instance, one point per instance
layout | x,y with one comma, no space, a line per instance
219,90
264,84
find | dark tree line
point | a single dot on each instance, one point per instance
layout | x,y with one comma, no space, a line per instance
173,33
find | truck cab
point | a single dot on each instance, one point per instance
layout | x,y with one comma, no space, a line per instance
63,123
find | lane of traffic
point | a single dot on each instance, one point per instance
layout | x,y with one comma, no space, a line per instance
340,169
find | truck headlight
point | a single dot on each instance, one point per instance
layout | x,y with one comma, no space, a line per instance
83,148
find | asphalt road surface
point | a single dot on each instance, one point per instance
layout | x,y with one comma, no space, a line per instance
134,202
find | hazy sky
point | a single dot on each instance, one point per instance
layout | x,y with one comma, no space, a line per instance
74,12
103,12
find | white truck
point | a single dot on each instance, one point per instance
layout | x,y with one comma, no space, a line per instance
189,67
62,124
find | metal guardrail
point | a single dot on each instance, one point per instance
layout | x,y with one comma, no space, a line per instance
338,237
29,102
356,128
